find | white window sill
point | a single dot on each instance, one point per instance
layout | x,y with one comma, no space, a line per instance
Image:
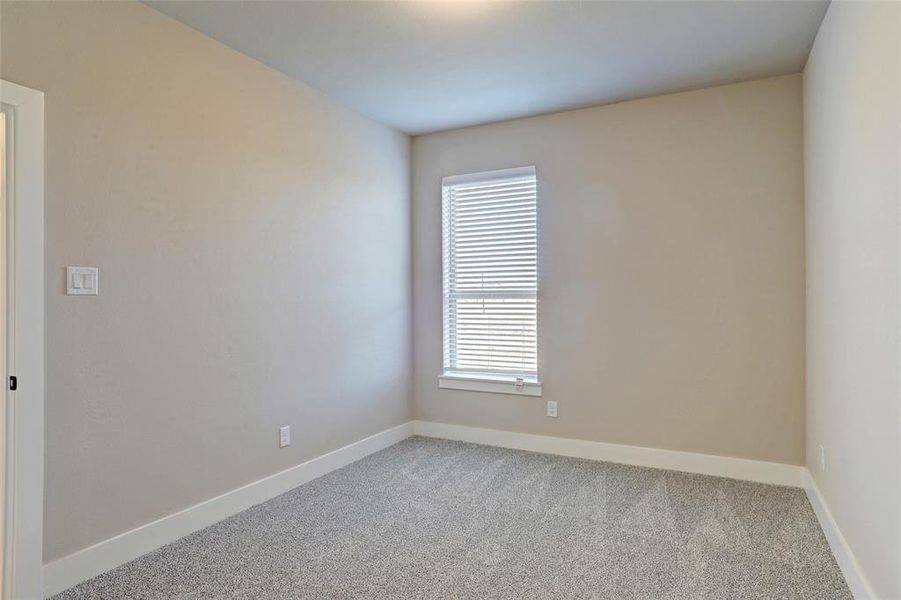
494,385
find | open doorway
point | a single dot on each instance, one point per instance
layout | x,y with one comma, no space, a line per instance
21,339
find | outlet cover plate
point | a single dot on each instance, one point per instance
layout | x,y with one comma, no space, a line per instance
284,436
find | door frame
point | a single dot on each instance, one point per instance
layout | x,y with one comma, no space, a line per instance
24,486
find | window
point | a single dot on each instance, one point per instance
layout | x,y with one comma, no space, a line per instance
490,243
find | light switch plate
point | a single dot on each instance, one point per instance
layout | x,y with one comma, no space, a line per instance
82,281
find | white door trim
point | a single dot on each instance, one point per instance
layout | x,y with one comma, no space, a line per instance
23,545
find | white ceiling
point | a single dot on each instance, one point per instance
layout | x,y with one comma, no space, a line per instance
427,66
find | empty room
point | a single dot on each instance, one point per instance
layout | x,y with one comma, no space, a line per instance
450,299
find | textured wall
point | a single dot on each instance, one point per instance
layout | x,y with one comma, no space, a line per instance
253,244
672,271
852,116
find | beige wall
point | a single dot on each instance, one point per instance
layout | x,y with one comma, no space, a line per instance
253,245
672,271
852,103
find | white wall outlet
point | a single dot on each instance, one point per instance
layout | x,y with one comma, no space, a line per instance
82,281
822,459
284,436
552,408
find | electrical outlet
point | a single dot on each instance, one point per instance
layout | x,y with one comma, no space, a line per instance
822,459
552,408
284,436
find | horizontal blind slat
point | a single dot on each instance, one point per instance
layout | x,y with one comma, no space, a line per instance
490,278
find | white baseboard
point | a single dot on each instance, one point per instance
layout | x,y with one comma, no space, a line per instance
705,464
70,570
845,558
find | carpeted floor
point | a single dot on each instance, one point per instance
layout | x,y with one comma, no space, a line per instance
437,519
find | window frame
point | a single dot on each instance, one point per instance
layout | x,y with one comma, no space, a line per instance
504,383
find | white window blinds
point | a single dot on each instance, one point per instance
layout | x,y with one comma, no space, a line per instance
491,274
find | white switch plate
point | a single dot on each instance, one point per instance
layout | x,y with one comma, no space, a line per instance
82,281
284,436
552,408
